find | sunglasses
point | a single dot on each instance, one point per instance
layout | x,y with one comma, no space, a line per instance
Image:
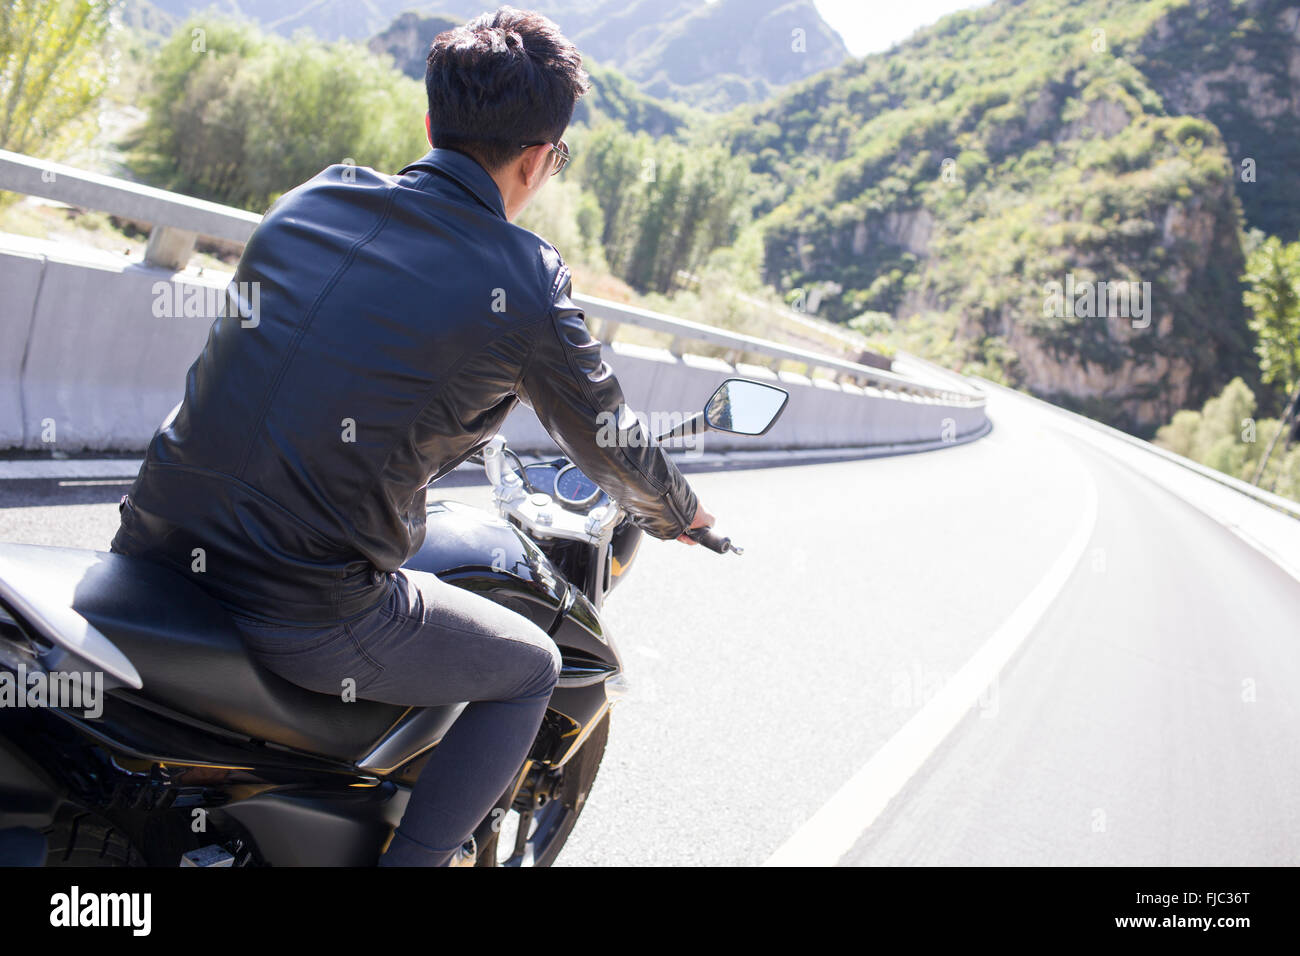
561,150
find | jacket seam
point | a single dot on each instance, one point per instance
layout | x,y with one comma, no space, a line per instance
308,319
436,390
427,170
543,319
589,393
527,363
244,486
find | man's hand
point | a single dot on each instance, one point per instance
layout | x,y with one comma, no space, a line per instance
702,520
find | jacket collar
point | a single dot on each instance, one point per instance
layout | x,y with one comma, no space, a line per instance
466,172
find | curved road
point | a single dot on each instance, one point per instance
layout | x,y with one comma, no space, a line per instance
1136,662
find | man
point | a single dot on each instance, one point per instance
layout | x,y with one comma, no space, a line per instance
398,321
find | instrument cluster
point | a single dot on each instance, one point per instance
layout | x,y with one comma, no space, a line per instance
563,481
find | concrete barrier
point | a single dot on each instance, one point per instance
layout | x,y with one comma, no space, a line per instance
98,370
819,414
87,365
20,282
89,362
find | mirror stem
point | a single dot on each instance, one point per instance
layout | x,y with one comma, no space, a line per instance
688,426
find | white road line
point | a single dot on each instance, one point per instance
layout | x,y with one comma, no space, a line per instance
833,830
46,468
1267,529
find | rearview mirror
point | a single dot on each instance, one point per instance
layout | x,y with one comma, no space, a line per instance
744,407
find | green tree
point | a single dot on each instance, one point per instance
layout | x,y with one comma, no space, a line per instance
665,207
570,220
1272,294
52,72
240,117
1179,436
1223,435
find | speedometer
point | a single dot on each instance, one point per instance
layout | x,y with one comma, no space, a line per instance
572,487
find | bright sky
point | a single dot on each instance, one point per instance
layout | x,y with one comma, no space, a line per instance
869,26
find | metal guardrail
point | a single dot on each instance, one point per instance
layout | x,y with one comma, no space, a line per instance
1274,501
178,220
614,314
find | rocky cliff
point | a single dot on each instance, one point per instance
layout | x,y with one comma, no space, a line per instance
959,179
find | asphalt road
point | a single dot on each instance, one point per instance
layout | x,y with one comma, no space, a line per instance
1146,714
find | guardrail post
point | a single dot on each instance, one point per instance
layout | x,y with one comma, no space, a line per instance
169,247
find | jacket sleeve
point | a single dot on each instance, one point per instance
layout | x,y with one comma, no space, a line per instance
580,402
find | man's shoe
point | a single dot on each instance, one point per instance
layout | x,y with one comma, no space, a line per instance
467,855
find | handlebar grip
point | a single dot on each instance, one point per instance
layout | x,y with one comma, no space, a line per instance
712,539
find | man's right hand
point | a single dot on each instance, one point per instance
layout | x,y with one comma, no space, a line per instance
702,520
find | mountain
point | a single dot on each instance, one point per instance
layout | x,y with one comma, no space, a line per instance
327,19
408,38
1239,67
957,180
708,54
612,95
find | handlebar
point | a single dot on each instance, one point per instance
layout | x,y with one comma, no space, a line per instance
493,454
713,540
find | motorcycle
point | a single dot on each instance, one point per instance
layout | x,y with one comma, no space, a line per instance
192,754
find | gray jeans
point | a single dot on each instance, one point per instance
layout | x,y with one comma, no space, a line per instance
432,643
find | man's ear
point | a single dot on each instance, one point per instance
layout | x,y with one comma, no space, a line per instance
428,127
536,164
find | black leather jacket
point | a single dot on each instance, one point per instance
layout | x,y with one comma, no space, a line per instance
398,321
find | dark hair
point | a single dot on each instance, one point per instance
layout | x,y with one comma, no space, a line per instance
502,80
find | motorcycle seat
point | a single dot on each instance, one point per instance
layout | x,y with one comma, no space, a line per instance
187,652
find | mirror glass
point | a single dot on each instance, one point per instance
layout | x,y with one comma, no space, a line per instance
745,407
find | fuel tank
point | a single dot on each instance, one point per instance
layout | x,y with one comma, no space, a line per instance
486,554
478,551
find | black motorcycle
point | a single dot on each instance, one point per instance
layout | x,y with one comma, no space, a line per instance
195,755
